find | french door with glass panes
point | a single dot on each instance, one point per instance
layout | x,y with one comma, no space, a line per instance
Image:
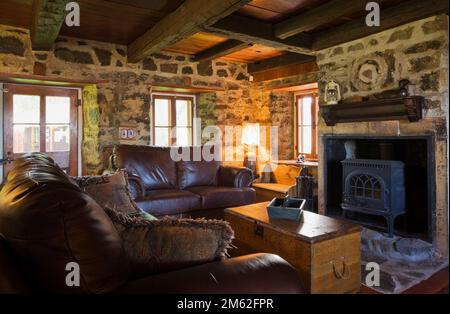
41,119
172,120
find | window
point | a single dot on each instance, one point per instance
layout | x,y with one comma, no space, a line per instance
306,129
172,120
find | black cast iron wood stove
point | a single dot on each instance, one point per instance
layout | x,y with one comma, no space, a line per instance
374,187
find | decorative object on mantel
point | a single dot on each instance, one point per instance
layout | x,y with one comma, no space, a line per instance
401,108
402,91
332,93
289,208
350,149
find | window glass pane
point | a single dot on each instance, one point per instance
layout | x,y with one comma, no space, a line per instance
306,138
183,136
306,110
26,109
183,109
57,109
316,109
57,138
299,140
161,136
162,112
25,138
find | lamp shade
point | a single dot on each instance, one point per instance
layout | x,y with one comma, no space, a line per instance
250,134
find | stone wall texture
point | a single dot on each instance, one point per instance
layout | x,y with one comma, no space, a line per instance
123,91
418,52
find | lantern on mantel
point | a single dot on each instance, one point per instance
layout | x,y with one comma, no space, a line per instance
332,93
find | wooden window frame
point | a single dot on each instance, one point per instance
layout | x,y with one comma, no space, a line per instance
313,156
172,115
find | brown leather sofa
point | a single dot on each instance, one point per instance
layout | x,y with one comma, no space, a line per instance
162,186
46,222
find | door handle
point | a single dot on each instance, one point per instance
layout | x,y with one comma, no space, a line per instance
6,160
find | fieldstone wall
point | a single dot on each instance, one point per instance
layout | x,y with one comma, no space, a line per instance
418,52
282,113
281,108
124,89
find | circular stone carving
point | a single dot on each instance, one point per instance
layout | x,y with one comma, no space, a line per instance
369,73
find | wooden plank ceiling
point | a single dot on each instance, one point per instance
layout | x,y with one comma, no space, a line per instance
203,41
258,32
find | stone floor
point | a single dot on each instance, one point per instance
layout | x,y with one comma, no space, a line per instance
403,262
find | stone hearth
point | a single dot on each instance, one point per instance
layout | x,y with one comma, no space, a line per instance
403,262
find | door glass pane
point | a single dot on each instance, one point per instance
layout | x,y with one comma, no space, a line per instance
57,109
161,136
26,138
306,110
183,136
26,109
57,138
183,110
162,112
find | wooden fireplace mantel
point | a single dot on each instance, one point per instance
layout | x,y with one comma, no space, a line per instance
403,108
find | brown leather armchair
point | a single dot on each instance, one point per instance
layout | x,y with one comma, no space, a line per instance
46,222
162,186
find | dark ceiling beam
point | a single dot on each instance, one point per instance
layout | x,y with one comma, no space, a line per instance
279,61
220,50
47,19
400,14
182,23
258,32
317,16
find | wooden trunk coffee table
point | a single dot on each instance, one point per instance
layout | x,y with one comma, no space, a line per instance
325,251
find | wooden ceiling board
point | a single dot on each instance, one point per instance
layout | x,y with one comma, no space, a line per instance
197,43
260,13
356,15
163,6
16,13
252,54
203,41
115,21
275,11
112,22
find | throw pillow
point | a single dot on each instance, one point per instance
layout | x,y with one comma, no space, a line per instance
109,190
156,246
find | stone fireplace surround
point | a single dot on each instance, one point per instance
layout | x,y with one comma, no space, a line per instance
417,51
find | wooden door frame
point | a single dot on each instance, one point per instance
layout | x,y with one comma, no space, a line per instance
42,91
